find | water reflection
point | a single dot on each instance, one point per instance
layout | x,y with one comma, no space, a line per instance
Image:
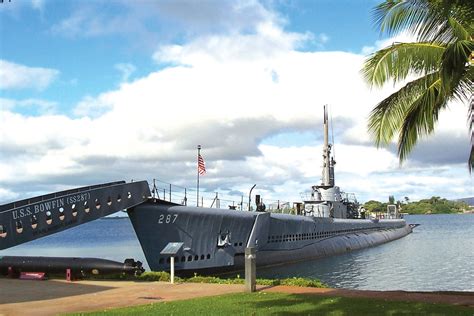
112,239
437,256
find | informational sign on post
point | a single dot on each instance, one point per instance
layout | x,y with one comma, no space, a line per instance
171,249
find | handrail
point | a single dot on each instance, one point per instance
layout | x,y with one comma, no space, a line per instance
33,218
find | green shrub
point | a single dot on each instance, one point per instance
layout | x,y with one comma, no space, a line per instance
303,282
163,276
268,282
157,276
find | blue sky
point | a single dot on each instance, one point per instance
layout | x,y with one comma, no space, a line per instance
87,59
94,91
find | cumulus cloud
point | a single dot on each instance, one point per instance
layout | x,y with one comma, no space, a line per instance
228,93
126,70
269,41
157,21
37,4
41,106
16,76
403,37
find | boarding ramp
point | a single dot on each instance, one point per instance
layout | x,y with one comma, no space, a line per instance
33,218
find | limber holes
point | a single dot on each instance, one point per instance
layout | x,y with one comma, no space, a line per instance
19,227
61,214
34,221
49,218
3,231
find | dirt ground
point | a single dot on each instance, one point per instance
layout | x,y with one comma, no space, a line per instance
51,297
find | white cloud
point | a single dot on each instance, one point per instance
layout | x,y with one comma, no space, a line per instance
126,69
155,21
222,93
37,4
16,76
92,107
43,106
384,43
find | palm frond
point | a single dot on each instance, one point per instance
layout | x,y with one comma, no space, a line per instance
428,20
387,117
401,59
391,17
459,31
470,162
455,63
465,89
420,118
443,57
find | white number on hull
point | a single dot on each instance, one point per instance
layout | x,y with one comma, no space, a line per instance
168,219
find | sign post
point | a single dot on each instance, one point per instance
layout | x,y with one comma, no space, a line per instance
171,249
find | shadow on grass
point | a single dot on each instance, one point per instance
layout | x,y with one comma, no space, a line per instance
297,304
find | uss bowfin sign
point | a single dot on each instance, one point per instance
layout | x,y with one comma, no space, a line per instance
33,218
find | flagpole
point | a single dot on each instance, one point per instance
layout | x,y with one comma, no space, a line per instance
199,152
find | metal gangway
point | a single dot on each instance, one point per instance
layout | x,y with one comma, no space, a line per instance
33,218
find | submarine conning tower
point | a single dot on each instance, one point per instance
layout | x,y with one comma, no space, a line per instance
326,199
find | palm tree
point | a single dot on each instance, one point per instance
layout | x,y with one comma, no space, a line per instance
441,60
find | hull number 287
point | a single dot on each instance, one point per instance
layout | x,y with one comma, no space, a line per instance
167,219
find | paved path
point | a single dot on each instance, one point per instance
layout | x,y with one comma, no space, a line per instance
22,297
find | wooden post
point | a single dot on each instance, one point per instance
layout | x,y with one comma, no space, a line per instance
250,270
172,269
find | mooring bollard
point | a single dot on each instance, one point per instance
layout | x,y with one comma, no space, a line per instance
250,269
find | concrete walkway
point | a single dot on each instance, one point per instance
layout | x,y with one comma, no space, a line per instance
52,297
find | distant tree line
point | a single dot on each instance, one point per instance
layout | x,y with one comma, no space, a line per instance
433,205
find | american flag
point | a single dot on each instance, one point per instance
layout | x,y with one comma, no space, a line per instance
201,165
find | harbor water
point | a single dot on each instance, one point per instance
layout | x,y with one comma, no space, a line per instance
437,256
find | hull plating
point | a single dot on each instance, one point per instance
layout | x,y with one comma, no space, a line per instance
216,238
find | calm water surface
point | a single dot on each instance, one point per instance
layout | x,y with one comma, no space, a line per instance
437,256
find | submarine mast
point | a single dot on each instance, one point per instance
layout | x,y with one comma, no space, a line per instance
328,161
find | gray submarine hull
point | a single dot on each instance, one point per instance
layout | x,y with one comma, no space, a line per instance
215,239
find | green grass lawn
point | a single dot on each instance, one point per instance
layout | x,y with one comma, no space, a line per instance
262,303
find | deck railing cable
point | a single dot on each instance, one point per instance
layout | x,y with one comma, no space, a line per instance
181,195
